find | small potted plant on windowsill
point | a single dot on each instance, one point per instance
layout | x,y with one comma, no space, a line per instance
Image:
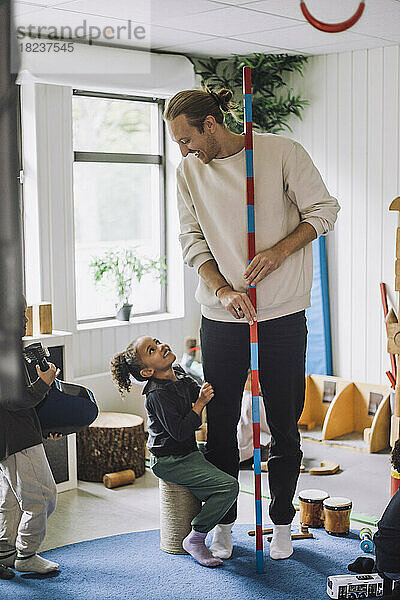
121,267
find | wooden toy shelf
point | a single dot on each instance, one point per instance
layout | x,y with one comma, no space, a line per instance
336,408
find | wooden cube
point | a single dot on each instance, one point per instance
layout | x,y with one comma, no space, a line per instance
398,243
393,338
394,430
45,318
29,323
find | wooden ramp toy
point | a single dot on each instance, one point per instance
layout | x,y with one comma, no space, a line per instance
340,407
325,468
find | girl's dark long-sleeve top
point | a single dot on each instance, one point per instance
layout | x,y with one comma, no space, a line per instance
387,538
19,424
171,420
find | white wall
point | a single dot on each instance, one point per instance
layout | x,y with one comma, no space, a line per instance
351,130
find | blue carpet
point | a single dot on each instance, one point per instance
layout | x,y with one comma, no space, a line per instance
131,566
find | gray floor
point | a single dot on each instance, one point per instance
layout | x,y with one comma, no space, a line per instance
93,511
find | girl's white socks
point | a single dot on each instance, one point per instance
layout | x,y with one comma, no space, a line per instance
222,546
281,543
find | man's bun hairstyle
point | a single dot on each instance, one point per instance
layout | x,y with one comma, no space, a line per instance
196,105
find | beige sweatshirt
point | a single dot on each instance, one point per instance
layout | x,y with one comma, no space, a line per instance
213,219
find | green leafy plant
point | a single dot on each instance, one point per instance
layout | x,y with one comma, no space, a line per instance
273,101
122,266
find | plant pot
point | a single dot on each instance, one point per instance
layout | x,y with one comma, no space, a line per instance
124,313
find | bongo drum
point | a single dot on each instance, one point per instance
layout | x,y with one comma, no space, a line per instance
311,509
395,481
337,515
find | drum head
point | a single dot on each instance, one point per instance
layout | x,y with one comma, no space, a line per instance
313,495
337,503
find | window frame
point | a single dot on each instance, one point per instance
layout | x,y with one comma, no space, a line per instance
132,158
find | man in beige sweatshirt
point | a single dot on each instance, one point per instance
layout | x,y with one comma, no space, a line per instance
292,208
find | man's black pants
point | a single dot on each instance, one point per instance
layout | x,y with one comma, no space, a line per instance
226,360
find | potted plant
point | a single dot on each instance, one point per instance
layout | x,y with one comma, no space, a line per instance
121,267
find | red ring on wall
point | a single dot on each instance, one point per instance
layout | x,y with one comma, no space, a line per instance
332,27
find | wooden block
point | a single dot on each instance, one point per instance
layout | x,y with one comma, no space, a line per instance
397,401
325,468
397,283
297,536
264,466
398,243
395,204
201,433
367,435
29,324
304,535
391,316
394,430
113,480
264,531
45,318
393,335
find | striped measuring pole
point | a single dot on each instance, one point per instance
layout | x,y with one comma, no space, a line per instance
251,247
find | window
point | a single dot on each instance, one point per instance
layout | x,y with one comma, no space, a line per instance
118,177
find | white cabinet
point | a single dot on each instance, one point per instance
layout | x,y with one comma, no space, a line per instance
61,453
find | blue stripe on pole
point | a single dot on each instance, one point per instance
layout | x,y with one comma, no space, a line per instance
250,218
258,512
249,162
257,461
254,356
247,107
256,409
260,561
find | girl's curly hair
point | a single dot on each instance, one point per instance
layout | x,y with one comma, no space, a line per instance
123,365
396,456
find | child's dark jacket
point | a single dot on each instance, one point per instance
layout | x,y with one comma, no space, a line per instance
171,421
19,424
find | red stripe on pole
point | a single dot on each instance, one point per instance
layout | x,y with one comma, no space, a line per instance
252,296
248,136
259,534
257,485
256,426
253,333
247,80
251,245
250,192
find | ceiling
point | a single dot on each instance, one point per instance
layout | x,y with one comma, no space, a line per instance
217,27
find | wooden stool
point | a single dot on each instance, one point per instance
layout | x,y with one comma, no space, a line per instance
113,442
178,507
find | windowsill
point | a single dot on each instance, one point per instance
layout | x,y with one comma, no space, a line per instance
135,320
46,336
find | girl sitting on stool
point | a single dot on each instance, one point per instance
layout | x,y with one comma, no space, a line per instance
174,403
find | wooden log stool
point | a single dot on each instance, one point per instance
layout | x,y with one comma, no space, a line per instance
113,442
178,507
